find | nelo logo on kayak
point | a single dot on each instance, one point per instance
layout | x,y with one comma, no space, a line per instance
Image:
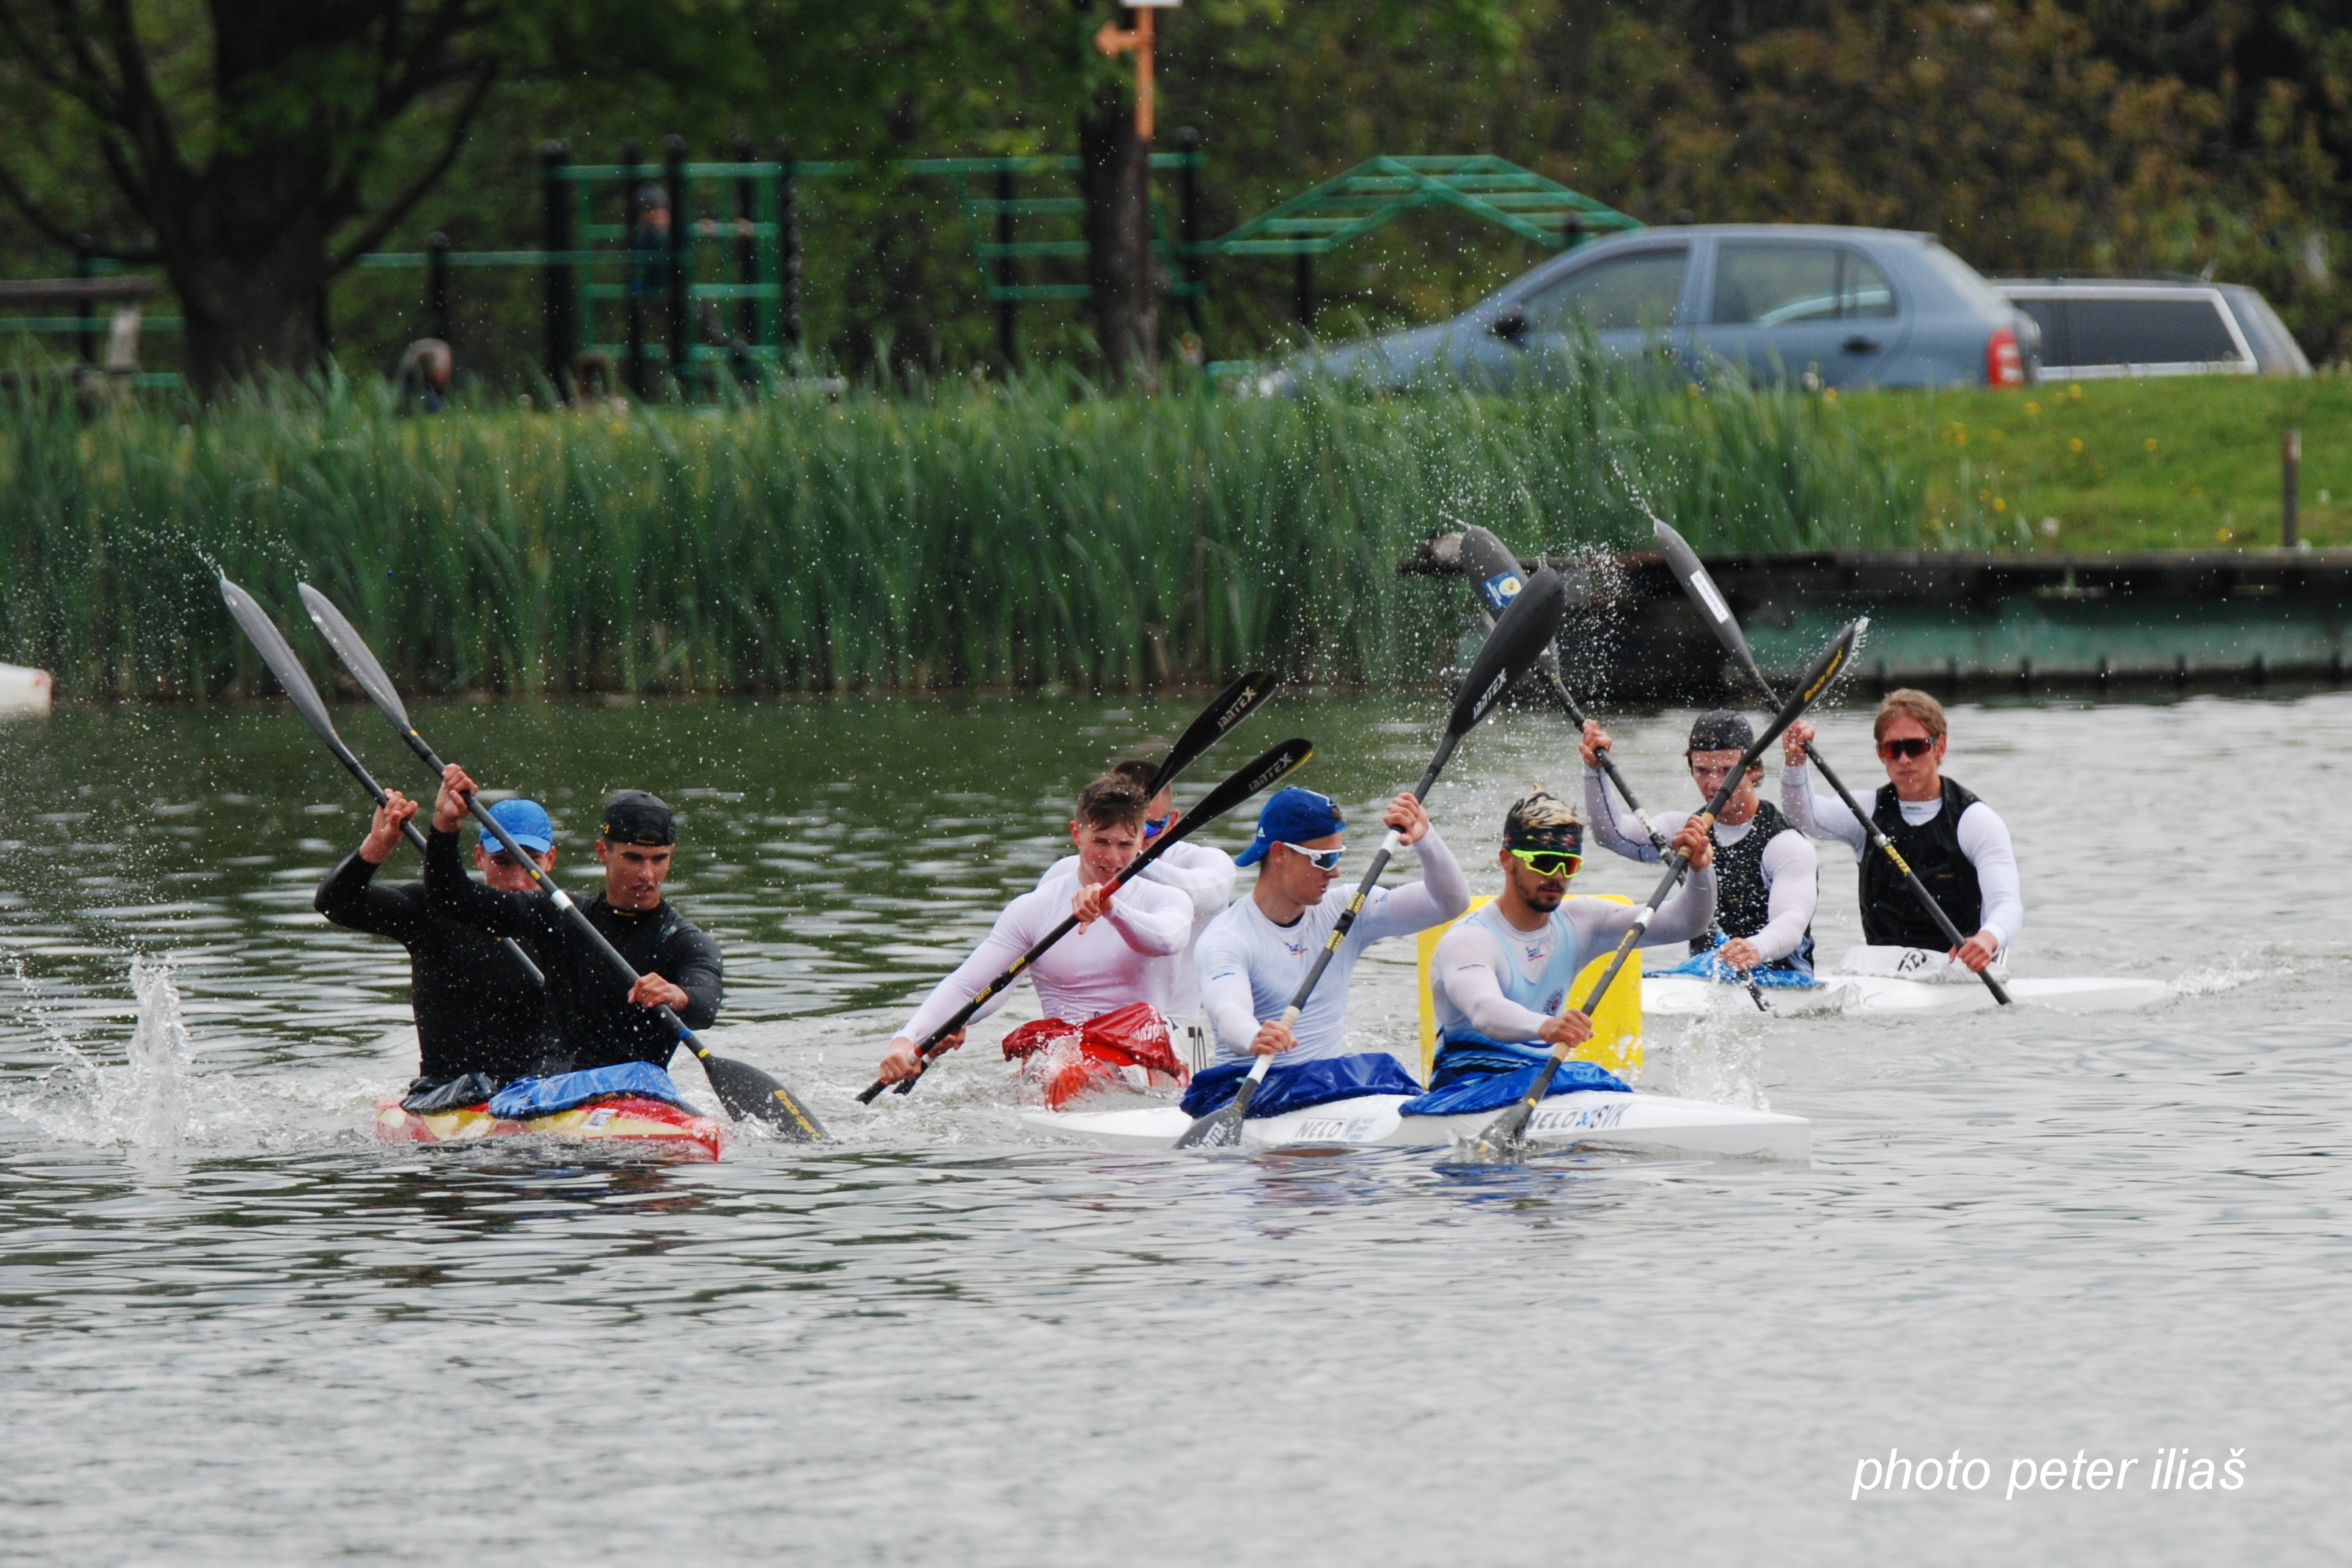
1591,1117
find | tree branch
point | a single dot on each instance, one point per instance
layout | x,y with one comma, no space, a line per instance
49,224
372,235
145,116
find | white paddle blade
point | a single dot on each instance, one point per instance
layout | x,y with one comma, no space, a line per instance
357,656
278,654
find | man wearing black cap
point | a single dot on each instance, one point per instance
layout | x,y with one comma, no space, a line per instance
1766,871
599,1021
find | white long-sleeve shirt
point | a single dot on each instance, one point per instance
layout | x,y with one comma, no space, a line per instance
1251,967
1983,837
1108,965
1790,868
1465,973
1201,874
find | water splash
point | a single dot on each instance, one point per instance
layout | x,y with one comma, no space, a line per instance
1720,1059
146,1102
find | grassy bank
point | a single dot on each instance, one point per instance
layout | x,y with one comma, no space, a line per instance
2189,462
958,536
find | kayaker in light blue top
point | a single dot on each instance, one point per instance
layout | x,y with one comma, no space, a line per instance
1502,976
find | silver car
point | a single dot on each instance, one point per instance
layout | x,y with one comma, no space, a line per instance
1818,305
2095,328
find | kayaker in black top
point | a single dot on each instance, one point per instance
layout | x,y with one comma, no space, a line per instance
1958,845
599,1021
1766,881
479,1009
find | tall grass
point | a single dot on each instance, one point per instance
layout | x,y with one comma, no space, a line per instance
910,538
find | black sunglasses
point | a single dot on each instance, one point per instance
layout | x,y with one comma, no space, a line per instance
1914,746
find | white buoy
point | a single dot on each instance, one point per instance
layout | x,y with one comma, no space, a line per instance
23,690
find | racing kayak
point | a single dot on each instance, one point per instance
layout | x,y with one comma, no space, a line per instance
1685,996
1600,1118
622,1121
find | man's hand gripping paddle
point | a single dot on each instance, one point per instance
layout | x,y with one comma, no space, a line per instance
296,681
1270,768
1685,564
743,1089
1525,628
1506,1134
1494,574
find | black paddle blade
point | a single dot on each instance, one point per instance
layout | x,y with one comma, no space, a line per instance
278,654
1684,563
1268,768
752,1095
1525,628
1496,575
1234,704
357,656
1221,1128
1505,1138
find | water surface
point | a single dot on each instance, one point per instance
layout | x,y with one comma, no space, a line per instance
233,1328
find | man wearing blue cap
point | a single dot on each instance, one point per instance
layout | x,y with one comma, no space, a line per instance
479,1009
600,1020
1254,957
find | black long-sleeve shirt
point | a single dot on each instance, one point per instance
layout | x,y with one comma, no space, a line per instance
477,1008
596,1025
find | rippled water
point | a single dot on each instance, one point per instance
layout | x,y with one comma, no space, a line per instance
233,1328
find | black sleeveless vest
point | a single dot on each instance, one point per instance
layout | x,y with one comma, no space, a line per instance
1743,904
1891,915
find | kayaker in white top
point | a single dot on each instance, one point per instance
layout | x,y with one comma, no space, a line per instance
1107,963
1202,872
1255,956
1766,889
1958,845
1504,973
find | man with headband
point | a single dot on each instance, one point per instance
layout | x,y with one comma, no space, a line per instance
480,1014
1767,878
1500,978
1202,872
1958,845
600,1021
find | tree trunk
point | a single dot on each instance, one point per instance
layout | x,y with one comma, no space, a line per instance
253,295
1114,175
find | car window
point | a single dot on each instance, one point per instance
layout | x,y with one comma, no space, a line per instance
2146,331
1770,284
1637,291
2050,315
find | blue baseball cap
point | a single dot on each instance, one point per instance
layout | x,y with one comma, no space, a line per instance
527,820
1292,815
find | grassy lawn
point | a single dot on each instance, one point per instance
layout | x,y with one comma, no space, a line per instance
2187,462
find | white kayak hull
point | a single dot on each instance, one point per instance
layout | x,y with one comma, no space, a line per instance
1651,1124
25,691
1685,996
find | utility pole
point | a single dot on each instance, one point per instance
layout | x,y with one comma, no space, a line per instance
1119,194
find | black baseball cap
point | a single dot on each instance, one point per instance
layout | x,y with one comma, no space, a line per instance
633,816
1721,731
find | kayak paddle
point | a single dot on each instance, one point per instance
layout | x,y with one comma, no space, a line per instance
1716,612
1494,569
742,1088
1526,627
278,654
1504,1135
1234,704
1269,768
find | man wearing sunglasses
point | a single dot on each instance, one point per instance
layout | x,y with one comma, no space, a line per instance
1958,845
1255,956
1501,976
1202,872
1766,875
1118,956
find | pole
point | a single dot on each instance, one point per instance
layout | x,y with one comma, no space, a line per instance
85,266
437,286
747,250
2291,488
1143,77
1188,220
631,157
1303,289
555,239
788,241
681,302
1008,310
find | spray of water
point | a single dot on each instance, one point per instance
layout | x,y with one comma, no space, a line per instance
146,1102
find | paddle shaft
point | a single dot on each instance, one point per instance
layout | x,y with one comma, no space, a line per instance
1247,1091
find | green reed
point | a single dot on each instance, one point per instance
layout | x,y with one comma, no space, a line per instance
965,534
